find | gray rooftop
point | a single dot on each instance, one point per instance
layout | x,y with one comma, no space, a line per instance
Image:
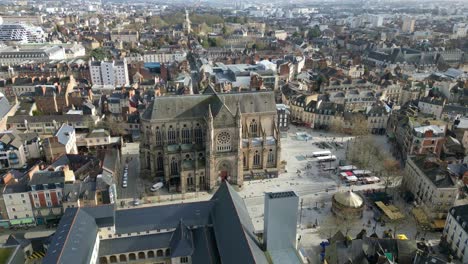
196,106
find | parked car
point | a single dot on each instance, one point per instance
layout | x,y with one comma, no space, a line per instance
124,184
136,202
156,186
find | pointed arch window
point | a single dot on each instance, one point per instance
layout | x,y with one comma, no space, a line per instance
159,139
271,157
256,158
171,136
160,162
198,134
186,135
174,167
253,128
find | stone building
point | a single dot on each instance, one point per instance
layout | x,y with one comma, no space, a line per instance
194,142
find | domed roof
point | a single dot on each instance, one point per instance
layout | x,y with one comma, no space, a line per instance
349,199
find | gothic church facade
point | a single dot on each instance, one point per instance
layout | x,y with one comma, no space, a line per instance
195,142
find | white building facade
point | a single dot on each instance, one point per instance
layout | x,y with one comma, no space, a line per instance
113,73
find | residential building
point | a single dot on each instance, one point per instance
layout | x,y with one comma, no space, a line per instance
133,235
125,36
48,125
17,148
425,140
282,112
63,142
109,73
18,204
456,232
408,24
165,56
23,19
98,139
193,142
432,106
53,99
377,117
429,183
46,192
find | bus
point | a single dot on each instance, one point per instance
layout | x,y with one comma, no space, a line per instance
321,153
326,158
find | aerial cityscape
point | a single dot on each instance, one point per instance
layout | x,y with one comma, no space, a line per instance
234,132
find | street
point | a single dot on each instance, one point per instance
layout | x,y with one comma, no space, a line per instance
135,187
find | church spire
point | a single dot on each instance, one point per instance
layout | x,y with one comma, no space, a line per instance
238,111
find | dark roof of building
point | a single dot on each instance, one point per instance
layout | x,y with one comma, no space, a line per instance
196,106
47,177
4,106
50,118
149,218
202,233
236,244
460,214
181,241
76,234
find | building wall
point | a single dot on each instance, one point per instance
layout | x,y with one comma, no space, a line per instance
457,237
222,150
280,222
435,201
18,205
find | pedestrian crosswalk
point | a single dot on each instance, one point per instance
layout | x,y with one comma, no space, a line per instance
37,255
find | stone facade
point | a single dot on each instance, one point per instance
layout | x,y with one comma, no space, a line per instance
194,142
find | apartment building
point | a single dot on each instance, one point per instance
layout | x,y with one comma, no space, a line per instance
282,117
46,191
165,56
456,231
109,73
48,125
63,142
433,188
432,106
17,204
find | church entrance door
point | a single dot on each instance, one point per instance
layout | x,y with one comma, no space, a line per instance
224,175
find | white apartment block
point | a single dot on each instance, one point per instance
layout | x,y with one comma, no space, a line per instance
109,73
165,56
456,231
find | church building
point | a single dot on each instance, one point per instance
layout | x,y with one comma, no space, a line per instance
195,142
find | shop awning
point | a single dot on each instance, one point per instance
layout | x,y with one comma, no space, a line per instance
23,221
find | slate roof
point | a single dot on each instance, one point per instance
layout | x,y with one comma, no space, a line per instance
135,243
214,231
196,106
236,244
162,217
4,106
181,241
73,239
